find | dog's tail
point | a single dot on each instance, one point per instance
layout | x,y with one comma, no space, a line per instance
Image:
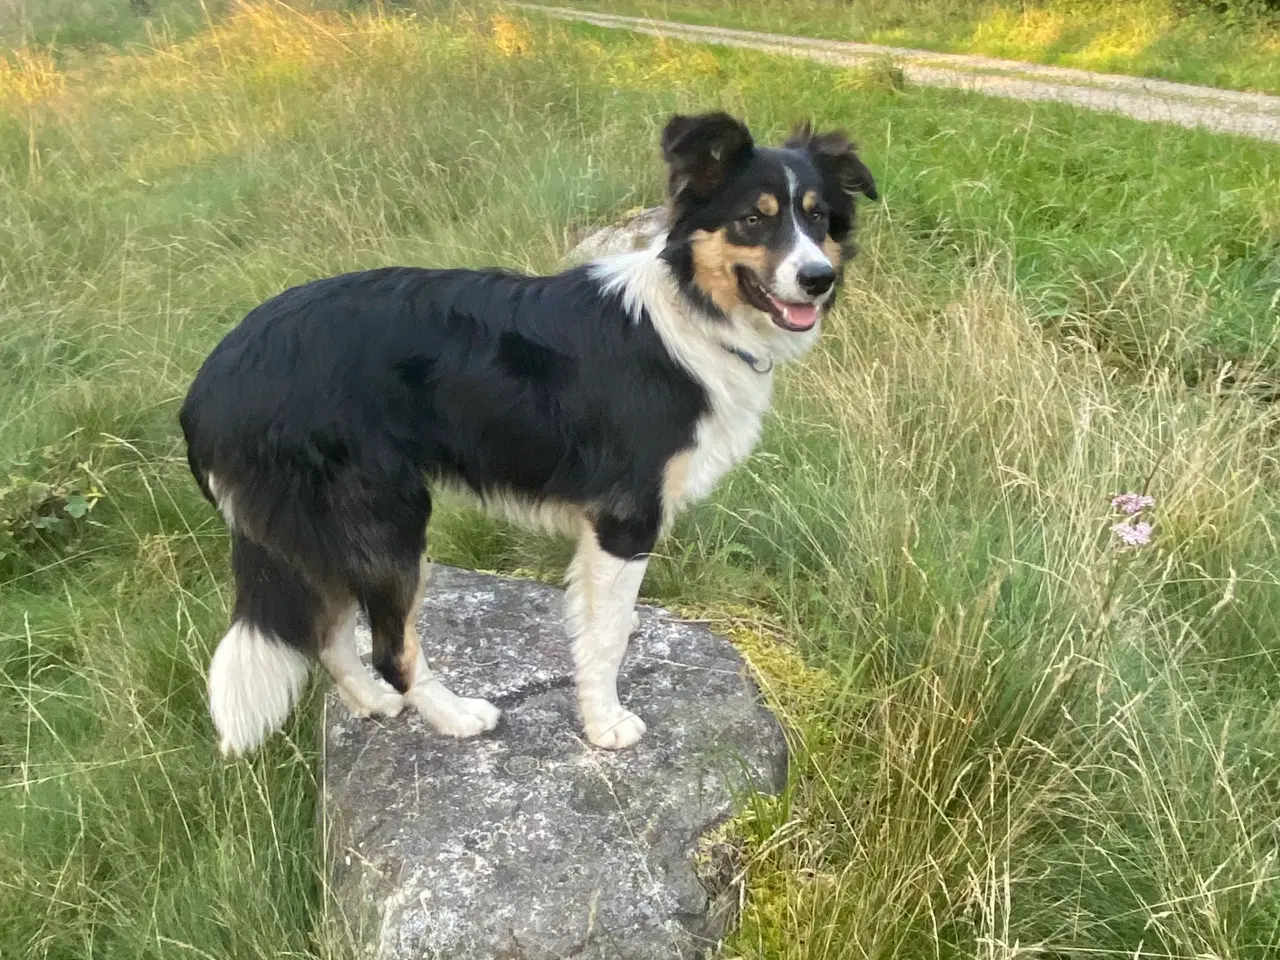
254,681
262,664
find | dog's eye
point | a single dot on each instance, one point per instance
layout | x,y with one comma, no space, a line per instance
816,215
751,219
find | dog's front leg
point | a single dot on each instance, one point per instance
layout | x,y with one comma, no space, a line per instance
604,581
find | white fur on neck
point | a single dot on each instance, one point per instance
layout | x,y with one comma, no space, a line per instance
739,395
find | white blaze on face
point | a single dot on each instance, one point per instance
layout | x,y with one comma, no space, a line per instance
803,254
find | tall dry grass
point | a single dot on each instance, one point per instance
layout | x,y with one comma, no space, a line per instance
1012,737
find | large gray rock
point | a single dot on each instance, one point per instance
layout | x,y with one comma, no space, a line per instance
528,843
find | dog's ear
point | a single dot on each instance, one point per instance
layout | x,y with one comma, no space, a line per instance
836,159
700,150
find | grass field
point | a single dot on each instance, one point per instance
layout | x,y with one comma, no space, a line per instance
1237,48
1014,738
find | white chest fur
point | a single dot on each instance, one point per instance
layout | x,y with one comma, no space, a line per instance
729,432
737,394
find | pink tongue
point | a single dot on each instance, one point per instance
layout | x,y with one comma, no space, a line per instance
799,316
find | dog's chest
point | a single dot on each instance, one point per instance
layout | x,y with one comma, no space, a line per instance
728,432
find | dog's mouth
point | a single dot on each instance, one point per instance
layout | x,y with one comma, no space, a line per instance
796,317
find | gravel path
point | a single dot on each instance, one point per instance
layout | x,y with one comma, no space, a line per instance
1223,111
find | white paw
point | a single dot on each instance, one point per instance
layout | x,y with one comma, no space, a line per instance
388,704
472,716
619,731
450,714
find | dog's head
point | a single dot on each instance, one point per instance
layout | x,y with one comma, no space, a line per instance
757,232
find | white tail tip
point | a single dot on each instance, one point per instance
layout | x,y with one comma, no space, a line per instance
254,681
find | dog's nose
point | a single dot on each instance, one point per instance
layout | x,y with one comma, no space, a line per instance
815,279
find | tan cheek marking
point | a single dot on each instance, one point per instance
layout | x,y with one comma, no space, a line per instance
714,259
713,269
767,204
758,259
809,202
833,251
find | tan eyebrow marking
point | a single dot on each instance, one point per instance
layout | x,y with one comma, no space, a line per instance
810,201
767,204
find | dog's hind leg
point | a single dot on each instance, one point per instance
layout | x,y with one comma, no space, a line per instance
391,591
447,712
260,666
362,694
397,653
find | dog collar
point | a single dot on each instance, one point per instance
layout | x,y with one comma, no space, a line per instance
751,361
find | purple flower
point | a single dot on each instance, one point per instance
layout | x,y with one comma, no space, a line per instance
1132,503
1133,534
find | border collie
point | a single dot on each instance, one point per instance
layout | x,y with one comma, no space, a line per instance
598,401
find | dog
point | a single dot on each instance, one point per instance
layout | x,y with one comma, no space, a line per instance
597,401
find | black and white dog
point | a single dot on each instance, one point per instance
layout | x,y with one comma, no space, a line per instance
597,401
